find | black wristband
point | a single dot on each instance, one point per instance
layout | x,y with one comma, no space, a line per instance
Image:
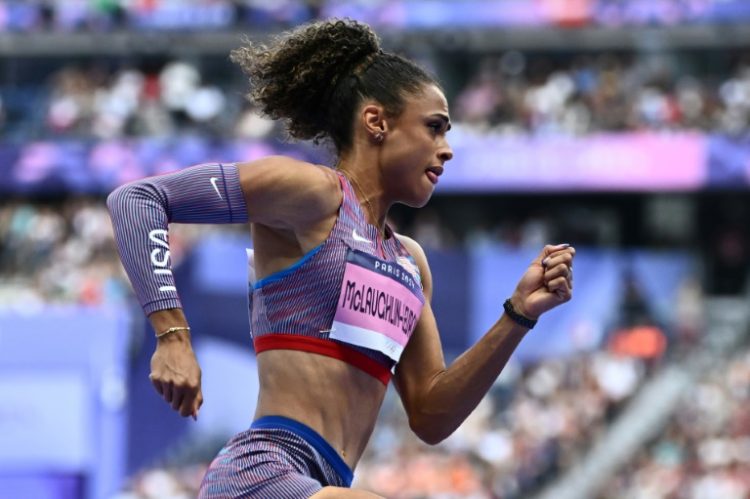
516,317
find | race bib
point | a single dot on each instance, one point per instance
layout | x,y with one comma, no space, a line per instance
379,305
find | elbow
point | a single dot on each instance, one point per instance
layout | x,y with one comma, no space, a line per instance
121,200
116,198
429,429
431,439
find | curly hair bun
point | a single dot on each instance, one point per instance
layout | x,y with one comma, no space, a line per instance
315,77
294,77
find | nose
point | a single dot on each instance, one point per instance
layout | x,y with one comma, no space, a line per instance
445,153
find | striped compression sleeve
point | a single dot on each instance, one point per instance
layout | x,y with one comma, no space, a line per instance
142,210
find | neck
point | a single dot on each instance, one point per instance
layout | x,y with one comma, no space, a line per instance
368,189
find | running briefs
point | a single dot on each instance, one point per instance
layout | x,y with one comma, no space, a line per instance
277,458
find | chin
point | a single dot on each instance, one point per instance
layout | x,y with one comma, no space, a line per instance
418,201
417,194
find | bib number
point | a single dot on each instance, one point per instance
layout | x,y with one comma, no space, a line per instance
379,305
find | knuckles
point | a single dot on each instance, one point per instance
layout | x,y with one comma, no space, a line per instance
176,382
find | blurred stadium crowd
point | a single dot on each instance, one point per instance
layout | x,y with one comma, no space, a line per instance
513,93
704,450
103,15
57,252
540,418
48,15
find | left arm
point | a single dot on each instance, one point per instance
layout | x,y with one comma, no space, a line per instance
437,398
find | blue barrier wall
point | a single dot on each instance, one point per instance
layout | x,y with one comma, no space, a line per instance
63,383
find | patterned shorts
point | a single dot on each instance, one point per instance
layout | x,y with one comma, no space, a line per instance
276,458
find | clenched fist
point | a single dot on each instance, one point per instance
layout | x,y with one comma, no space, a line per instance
176,375
547,283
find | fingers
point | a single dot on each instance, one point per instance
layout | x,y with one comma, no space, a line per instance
190,403
178,395
184,396
548,281
561,287
562,255
561,270
197,403
550,249
559,280
558,273
559,277
167,395
185,407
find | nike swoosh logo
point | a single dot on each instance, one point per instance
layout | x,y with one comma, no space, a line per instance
216,188
359,238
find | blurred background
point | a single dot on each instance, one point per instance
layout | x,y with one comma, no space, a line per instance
619,126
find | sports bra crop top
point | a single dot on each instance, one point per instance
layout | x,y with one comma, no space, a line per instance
356,297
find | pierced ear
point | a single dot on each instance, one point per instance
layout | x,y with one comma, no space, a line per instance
375,122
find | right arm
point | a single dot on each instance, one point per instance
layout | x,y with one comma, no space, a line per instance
278,192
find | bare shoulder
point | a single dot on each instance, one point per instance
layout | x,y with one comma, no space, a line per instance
288,171
421,259
285,192
413,246
417,252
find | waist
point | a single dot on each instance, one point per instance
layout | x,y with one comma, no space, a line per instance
339,402
325,347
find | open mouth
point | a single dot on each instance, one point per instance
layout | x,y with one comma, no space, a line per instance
433,173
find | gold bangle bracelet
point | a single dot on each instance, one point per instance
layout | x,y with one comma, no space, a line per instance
172,330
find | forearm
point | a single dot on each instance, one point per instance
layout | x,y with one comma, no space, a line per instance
456,391
162,320
438,399
142,210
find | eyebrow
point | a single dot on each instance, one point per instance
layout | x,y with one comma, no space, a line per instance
444,118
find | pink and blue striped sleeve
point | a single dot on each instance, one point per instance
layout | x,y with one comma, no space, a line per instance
141,212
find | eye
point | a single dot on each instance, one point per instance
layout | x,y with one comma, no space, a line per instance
435,126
